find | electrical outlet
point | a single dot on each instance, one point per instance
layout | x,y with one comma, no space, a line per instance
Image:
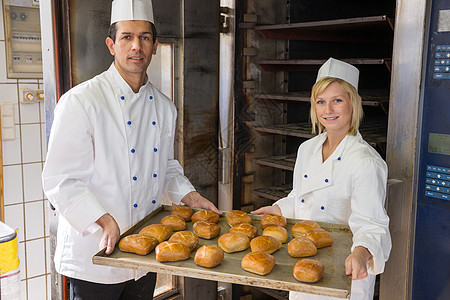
28,96
39,96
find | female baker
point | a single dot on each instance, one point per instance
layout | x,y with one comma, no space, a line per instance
339,178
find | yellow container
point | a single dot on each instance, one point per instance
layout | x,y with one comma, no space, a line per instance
8,249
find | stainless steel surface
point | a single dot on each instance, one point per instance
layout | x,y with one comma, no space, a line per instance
401,143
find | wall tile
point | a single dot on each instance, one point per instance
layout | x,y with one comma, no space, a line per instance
36,288
31,143
3,68
48,213
29,113
11,149
23,290
8,94
35,258
21,254
49,287
48,261
14,215
34,220
32,182
42,112
43,142
12,182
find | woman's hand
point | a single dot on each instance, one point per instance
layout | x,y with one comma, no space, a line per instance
356,263
111,233
194,199
267,210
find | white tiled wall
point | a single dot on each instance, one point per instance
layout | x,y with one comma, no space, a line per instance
25,205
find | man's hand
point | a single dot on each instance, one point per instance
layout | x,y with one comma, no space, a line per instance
356,263
194,199
267,210
111,233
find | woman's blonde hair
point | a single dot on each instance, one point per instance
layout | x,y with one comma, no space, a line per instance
357,111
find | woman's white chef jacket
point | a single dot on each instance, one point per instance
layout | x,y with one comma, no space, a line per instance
348,188
110,151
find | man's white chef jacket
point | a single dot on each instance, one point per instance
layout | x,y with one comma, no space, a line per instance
110,151
348,188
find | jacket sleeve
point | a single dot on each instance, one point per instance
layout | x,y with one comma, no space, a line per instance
368,220
69,165
176,185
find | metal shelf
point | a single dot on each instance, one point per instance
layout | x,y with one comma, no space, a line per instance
285,162
294,65
375,29
369,98
274,192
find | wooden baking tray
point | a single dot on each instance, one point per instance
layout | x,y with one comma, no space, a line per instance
334,282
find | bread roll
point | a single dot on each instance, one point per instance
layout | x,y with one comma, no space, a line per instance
247,229
138,243
300,228
236,217
205,215
301,247
233,242
183,211
171,251
265,243
208,256
320,237
206,230
260,263
277,232
308,270
158,231
175,222
270,220
186,238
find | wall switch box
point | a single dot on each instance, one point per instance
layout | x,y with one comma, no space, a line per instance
7,121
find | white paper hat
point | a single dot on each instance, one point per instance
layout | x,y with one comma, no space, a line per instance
339,69
132,10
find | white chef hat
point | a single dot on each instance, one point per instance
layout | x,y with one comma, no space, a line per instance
132,10
339,69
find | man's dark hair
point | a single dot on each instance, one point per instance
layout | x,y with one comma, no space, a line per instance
112,31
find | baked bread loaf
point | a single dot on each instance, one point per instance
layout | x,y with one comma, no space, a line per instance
270,220
276,232
206,230
158,231
186,238
300,228
175,222
320,237
247,229
208,256
236,217
138,243
260,263
205,215
308,270
171,251
183,211
265,243
301,247
233,242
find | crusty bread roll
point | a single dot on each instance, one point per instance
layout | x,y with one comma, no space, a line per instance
270,220
175,222
247,229
236,217
265,243
260,263
183,211
186,238
308,270
300,228
205,215
301,247
320,237
171,251
206,230
158,231
138,243
276,232
233,242
208,256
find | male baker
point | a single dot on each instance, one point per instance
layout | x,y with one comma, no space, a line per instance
110,158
